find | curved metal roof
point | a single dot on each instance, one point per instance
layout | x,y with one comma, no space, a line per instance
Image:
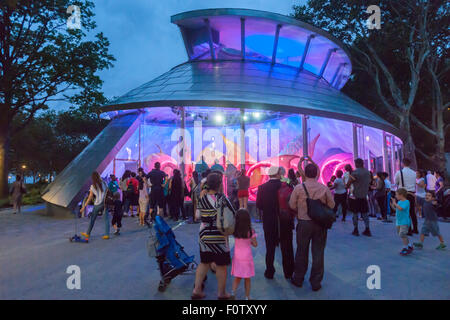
245,84
243,34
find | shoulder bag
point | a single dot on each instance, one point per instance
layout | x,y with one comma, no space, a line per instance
225,217
319,212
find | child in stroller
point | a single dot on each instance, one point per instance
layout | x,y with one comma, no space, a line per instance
170,255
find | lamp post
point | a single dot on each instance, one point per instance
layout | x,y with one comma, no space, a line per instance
23,172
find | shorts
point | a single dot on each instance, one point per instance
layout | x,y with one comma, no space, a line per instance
220,259
430,226
403,231
420,201
242,194
358,205
157,198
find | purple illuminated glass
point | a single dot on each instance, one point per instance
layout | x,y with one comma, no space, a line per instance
259,44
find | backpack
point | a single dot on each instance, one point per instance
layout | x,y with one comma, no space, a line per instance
109,197
130,188
284,194
226,219
319,212
382,191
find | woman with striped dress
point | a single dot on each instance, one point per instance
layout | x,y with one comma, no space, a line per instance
213,244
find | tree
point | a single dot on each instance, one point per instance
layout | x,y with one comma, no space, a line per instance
34,146
399,45
436,86
41,61
53,139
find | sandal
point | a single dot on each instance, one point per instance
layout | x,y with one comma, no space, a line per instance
197,296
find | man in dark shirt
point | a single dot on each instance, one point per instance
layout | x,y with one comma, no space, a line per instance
267,202
156,177
360,178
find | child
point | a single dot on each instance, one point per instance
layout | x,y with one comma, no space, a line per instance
430,224
402,219
242,265
117,214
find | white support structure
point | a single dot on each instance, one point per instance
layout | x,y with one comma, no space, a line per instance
305,134
355,141
242,136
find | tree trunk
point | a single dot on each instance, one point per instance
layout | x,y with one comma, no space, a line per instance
4,150
409,148
440,145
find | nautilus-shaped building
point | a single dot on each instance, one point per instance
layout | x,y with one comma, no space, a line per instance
257,89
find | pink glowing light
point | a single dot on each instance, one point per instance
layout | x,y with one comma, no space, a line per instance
253,190
340,160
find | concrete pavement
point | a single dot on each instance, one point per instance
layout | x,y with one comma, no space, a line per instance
35,252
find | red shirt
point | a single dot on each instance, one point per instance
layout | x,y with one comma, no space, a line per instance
135,184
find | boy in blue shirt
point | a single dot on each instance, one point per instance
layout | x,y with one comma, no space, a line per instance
431,222
402,219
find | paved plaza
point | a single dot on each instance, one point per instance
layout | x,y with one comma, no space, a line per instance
35,252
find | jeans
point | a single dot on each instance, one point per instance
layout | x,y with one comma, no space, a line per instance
310,232
412,212
382,204
94,214
372,209
126,205
341,199
287,249
388,203
365,217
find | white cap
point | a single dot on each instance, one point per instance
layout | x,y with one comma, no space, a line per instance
273,171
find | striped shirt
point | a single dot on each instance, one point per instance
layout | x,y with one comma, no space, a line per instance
210,238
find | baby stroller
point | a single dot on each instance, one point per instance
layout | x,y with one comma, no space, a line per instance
170,255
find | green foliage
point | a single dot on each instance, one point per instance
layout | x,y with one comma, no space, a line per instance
389,65
33,196
52,140
42,60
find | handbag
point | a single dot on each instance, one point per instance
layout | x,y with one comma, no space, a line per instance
225,220
284,194
109,198
319,212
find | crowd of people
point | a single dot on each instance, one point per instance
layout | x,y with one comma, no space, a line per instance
281,200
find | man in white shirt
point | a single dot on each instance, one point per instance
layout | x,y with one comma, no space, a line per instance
431,181
406,178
